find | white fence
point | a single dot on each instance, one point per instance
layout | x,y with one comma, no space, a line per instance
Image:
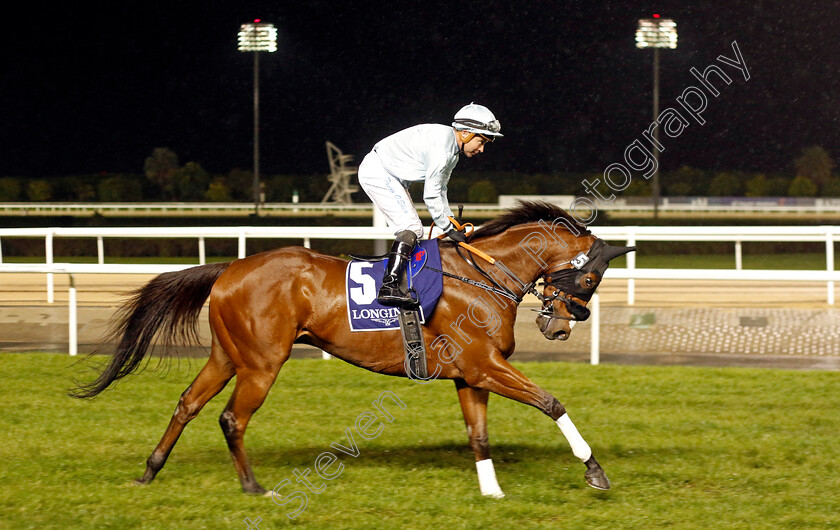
630,274
737,235
628,235
201,234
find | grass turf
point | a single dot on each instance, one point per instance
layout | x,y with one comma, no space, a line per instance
684,447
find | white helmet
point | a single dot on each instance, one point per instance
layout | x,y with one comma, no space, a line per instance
477,119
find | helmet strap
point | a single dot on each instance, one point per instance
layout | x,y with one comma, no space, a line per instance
466,136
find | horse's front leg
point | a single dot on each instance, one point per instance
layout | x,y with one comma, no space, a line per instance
474,406
501,378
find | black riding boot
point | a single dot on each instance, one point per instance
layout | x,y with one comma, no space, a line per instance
390,293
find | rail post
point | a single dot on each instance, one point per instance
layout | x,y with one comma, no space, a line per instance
202,253
100,250
73,346
241,253
595,340
48,244
829,263
631,265
380,246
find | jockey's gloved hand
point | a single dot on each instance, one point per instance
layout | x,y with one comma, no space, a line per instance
455,235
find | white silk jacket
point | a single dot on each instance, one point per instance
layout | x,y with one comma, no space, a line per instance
427,152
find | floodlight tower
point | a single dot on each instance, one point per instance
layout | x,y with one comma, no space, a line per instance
656,33
257,37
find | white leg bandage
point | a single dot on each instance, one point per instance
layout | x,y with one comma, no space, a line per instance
487,479
579,446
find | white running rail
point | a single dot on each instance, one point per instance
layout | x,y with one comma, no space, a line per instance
628,235
662,274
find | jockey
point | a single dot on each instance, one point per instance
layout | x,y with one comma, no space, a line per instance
427,152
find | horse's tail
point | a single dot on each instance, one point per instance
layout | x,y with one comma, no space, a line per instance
169,305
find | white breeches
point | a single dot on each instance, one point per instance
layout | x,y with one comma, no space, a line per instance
388,193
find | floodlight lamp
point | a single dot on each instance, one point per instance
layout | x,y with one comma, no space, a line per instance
656,33
258,37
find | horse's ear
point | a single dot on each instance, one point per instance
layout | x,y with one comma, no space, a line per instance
611,252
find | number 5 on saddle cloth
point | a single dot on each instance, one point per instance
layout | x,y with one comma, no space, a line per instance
364,313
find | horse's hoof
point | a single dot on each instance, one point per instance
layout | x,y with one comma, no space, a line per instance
140,482
596,478
258,490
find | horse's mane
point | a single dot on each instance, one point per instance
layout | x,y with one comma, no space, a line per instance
529,212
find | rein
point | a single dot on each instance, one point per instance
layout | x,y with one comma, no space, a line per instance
495,287
506,292
555,278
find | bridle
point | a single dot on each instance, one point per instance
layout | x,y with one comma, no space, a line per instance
577,280
563,279
578,311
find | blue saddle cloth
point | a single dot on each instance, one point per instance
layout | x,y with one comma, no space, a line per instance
365,277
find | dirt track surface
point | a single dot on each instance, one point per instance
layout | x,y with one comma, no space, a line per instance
765,324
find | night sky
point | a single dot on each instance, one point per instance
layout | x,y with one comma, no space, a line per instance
94,89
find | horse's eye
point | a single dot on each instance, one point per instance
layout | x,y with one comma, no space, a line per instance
587,282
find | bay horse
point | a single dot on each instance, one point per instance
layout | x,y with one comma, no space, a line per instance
262,304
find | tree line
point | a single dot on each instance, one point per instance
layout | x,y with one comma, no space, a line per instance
164,179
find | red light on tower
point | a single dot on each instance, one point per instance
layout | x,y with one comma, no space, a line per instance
257,20
656,15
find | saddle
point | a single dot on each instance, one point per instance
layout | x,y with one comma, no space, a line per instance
363,257
423,276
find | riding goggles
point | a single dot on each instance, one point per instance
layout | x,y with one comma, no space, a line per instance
492,126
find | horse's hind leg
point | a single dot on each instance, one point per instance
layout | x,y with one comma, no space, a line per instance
209,382
252,386
474,406
503,379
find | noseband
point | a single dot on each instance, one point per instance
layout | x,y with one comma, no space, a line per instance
578,311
